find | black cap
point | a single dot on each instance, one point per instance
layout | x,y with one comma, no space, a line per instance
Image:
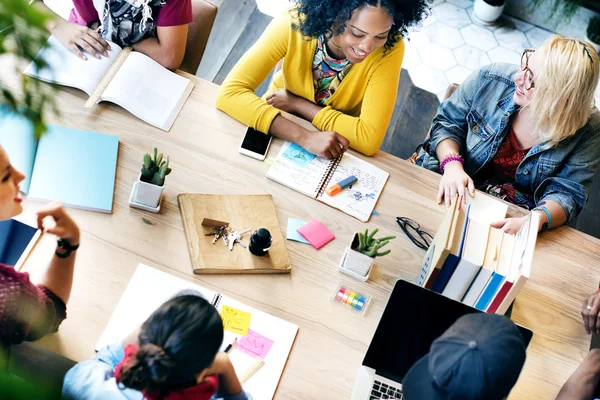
479,357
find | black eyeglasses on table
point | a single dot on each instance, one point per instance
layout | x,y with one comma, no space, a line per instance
412,229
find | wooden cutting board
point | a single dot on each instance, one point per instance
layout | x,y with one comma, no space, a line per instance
242,212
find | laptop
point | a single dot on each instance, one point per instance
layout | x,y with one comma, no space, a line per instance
413,318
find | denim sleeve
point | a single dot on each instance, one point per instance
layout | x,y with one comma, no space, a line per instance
450,122
240,396
93,379
570,186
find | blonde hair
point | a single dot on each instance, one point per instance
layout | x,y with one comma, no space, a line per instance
564,88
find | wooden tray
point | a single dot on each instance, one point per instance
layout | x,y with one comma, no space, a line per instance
242,212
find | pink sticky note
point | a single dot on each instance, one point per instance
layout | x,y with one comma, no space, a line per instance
254,344
316,233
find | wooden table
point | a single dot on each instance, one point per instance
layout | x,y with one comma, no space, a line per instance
203,146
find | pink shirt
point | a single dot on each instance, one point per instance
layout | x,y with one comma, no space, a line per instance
173,13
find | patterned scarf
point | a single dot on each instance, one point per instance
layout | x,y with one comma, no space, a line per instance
327,72
126,22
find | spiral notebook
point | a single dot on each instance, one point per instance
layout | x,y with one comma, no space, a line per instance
308,174
268,337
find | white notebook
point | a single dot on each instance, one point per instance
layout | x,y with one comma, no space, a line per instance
150,287
311,175
141,86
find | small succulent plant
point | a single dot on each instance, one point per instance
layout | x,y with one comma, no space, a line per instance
370,246
155,169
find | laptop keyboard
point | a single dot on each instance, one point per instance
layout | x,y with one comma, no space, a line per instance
383,391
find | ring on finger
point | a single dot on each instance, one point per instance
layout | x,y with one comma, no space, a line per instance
589,307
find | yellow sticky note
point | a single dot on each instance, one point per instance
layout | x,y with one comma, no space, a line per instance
235,321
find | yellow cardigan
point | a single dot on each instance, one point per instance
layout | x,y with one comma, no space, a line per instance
360,109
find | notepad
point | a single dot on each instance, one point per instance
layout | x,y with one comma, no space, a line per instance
316,234
74,167
150,287
310,175
292,230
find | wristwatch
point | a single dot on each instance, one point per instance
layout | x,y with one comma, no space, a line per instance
65,245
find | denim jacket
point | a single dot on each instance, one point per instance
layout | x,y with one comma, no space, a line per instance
478,116
94,379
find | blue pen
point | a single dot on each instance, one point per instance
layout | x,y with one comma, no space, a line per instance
343,184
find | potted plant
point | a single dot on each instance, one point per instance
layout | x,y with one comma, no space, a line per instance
148,189
22,34
359,257
593,32
486,12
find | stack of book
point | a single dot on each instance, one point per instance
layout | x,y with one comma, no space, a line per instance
471,262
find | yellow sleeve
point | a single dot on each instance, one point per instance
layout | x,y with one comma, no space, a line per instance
236,96
366,132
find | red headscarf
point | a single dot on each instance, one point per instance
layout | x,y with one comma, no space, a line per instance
201,391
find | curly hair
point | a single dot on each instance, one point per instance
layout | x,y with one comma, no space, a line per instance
317,17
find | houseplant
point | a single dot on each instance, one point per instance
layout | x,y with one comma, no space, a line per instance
148,189
359,257
487,12
22,34
593,32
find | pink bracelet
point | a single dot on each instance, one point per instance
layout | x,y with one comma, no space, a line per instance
450,158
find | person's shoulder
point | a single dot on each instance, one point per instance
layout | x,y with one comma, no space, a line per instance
500,72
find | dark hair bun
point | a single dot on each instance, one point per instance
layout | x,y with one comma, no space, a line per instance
149,370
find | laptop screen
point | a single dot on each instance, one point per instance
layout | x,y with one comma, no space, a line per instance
413,318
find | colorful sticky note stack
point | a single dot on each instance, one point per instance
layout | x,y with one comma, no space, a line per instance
351,298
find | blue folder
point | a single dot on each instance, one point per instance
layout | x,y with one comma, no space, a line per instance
74,167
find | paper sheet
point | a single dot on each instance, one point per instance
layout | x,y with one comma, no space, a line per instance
235,321
298,155
255,344
292,227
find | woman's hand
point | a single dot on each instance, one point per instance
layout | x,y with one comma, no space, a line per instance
589,312
76,37
454,181
64,228
283,100
327,144
509,225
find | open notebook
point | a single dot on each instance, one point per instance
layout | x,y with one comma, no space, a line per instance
259,334
141,85
74,167
311,175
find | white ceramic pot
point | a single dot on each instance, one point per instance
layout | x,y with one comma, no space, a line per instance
486,14
273,8
596,45
356,264
147,194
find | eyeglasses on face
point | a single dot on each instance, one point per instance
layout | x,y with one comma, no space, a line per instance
529,83
420,238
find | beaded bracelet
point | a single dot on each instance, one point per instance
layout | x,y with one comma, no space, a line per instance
451,157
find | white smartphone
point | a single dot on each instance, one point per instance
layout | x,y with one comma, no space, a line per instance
255,144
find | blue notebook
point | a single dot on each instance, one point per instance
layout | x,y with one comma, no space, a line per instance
16,240
74,167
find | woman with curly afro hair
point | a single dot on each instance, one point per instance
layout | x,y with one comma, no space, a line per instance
341,67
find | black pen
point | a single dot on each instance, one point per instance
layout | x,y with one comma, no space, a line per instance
230,346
